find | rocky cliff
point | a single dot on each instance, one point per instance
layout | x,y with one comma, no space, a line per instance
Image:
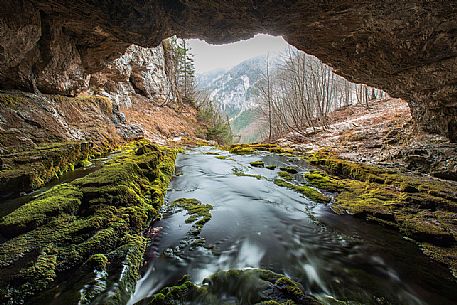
408,48
139,71
119,102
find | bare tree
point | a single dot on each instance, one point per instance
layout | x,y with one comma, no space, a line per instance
302,91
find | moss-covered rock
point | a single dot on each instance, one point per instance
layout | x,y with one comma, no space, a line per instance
198,213
286,176
242,149
289,169
24,171
254,286
64,198
422,208
308,191
258,163
240,173
89,222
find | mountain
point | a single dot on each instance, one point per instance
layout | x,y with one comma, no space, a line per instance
234,91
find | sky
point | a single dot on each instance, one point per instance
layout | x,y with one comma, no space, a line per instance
210,57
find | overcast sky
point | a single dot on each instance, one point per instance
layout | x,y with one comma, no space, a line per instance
209,57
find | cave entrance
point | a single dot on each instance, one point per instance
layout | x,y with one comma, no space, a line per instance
266,90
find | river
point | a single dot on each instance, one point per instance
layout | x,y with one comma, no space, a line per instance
257,224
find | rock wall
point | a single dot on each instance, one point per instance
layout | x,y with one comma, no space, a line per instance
408,48
139,71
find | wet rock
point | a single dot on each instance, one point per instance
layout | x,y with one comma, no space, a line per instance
94,222
439,160
30,169
254,286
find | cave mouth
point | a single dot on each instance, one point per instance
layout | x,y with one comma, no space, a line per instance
268,89
406,48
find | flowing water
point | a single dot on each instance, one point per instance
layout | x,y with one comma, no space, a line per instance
257,224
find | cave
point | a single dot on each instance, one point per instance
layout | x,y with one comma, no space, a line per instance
117,187
407,48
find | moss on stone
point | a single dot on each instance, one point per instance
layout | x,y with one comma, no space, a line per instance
290,288
30,169
99,216
421,208
183,290
271,167
84,163
222,157
289,169
201,213
286,176
258,163
12,100
98,261
309,192
251,148
238,172
253,286
64,198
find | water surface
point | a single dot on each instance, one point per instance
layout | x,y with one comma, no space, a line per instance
257,224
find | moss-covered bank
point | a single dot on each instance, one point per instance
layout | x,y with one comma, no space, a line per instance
251,148
95,222
422,208
24,171
254,286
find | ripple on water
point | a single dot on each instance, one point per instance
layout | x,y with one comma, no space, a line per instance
256,223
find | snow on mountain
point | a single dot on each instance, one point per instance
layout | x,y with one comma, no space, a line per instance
234,90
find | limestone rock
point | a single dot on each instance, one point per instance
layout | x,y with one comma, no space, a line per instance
408,48
139,71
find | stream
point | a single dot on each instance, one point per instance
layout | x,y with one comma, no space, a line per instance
257,224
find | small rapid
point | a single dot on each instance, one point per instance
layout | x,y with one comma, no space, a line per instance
258,224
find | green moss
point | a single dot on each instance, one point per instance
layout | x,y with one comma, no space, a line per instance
270,167
84,163
423,226
421,208
60,199
98,261
309,192
286,176
289,169
94,219
258,163
291,288
30,169
12,100
238,172
240,150
211,153
444,255
184,290
323,181
251,148
253,286
41,273
223,157
201,213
